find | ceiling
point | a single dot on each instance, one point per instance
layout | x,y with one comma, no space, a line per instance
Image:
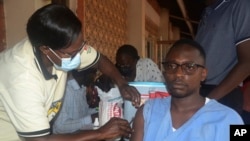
186,18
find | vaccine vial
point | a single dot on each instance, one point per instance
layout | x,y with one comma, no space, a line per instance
96,123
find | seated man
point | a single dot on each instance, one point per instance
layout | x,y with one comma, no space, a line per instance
75,113
134,68
185,115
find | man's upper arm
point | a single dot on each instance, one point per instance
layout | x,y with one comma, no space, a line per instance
243,52
138,126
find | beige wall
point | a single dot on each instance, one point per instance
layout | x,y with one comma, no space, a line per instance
164,24
2,27
17,13
136,24
138,10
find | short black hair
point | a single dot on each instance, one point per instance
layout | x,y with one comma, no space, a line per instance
190,42
128,50
85,77
77,73
53,25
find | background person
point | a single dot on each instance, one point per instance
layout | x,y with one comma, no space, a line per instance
75,113
134,68
224,33
185,115
246,103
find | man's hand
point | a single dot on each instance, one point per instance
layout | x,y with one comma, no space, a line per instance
130,93
114,128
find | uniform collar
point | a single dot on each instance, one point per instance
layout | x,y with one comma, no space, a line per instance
218,4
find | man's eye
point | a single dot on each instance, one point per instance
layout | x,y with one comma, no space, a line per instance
190,66
172,66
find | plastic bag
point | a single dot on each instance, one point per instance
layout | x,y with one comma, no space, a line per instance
110,105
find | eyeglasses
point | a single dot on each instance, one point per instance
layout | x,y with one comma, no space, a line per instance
188,68
72,55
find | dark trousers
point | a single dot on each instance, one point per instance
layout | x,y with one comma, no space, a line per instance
234,99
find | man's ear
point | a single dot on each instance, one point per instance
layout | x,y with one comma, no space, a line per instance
204,74
44,49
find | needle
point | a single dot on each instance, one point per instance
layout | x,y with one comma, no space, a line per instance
131,121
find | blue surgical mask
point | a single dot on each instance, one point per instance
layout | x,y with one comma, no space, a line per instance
67,64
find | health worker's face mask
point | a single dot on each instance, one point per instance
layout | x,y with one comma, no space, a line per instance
67,64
